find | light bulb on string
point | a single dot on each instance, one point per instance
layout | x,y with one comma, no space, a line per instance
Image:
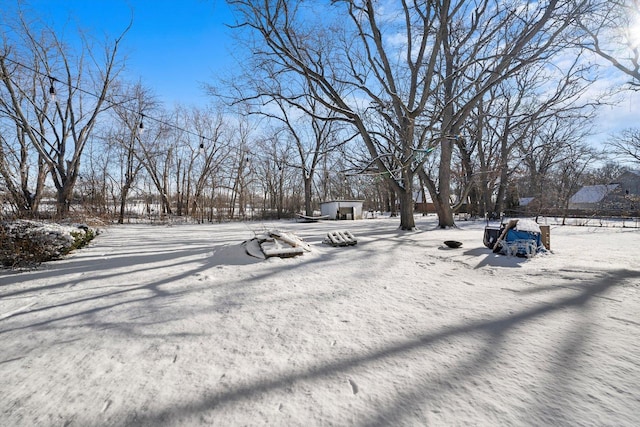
201,144
52,89
141,125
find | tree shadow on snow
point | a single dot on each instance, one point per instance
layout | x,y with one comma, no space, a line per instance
494,260
427,389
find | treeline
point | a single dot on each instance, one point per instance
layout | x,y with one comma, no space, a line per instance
474,104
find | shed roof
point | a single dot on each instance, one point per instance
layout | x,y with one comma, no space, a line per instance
592,193
341,201
524,201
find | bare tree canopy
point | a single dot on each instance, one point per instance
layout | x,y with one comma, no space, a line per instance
53,95
612,30
471,102
406,76
626,144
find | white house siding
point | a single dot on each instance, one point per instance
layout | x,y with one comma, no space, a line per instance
332,207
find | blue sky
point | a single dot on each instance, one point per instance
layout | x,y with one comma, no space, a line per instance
173,47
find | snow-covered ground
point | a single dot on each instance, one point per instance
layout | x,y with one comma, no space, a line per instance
177,325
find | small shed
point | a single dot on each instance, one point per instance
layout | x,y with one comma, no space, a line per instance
342,209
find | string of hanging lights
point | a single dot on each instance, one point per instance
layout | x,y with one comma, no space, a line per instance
141,126
52,89
418,153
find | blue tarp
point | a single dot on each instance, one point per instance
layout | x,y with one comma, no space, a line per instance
523,238
524,235
522,243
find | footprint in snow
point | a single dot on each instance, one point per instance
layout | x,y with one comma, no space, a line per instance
106,405
354,386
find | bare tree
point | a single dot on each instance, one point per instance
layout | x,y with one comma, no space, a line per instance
356,69
612,30
626,144
277,176
570,172
240,166
16,169
556,158
205,151
94,187
314,135
288,104
521,121
130,106
605,174
22,168
58,129
157,147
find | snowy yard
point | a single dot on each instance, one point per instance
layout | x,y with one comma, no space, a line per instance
177,325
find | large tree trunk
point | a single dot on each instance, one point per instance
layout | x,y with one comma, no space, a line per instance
407,220
64,198
443,197
307,193
123,202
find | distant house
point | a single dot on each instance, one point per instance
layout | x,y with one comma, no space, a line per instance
527,206
621,195
591,197
423,204
525,201
342,209
630,183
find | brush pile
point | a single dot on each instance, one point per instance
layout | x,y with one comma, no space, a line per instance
275,243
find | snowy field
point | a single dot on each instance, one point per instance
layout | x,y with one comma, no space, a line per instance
178,326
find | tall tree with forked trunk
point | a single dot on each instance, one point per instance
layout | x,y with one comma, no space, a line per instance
55,95
406,75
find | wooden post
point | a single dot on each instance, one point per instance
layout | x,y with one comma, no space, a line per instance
545,234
